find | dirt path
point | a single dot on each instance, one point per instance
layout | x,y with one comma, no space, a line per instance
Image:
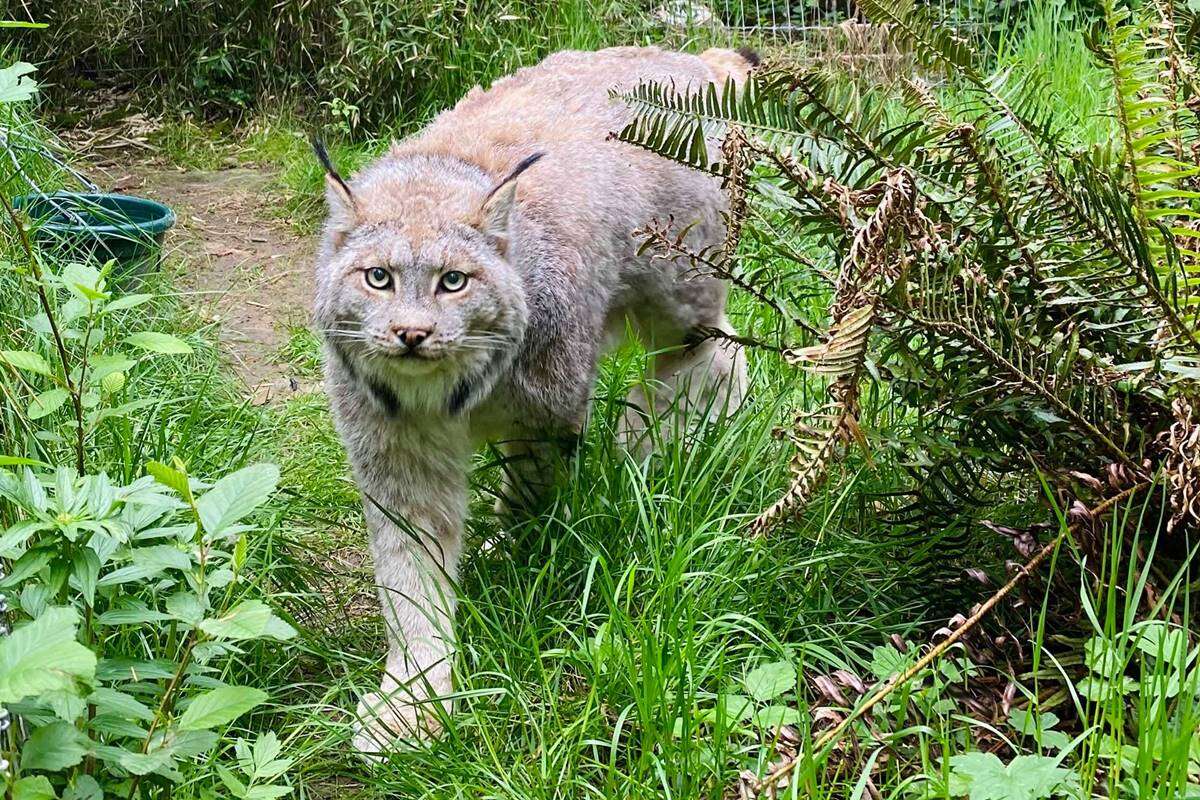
242,266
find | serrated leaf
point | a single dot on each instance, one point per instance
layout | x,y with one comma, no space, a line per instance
887,661
233,497
15,83
86,565
219,707
54,747
235,786
34,787
145,763
251,619
43,656
171,477
773,717
46,403
26,360
158,342
185,607
768,681
113,382
111,701
983,776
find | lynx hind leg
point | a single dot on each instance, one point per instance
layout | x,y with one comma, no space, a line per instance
531,470
695,382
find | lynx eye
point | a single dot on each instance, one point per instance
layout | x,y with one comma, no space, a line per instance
453,281
378,278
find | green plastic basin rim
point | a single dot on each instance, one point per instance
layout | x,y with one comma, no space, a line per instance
163,217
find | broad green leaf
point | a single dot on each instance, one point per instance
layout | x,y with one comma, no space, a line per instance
161,556
46,403
252,619
26,360
86,283
103,366
1101,690
185,607
145,763
171,477
111,701
132,669
113,382
15,83
768,681
13,540
83,787
186,744
134,613
1040,726
126,301
263,762
34,787
86,565
149,562
773,717
983,776
1159,640
27,565
235,496
157,342
887,661
54,747
1101,657
219,707
267,792
235,786
43,656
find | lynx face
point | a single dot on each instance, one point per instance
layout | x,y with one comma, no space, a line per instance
416,290
450,306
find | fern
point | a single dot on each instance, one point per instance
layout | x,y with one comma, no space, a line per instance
1027,309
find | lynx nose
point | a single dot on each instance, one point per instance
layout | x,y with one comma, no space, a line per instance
411,337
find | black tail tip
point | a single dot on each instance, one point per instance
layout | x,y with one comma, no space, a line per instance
751,55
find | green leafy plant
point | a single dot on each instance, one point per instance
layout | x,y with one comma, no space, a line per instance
134,597
983,776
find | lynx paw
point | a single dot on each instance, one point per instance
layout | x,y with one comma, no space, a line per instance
387,723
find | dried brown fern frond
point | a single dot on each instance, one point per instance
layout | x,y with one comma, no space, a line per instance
1181,464
877,251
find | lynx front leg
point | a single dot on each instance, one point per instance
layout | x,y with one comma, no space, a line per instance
415,500
415,572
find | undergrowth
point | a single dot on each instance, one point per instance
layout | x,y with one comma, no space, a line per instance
630,642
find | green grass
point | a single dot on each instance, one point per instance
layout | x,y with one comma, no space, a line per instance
603,644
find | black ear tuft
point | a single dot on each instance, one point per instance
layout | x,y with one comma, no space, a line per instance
751,55
524,164
318,147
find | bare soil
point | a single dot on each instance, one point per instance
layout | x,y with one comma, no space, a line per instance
238,263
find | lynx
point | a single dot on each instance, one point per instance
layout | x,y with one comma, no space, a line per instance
467,283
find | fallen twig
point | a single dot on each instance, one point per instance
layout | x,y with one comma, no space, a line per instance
836,732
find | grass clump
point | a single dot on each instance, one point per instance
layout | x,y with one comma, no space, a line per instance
633,641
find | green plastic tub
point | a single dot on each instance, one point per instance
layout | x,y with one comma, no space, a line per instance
105,226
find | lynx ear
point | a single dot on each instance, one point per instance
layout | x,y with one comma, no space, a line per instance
337,193
497,206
